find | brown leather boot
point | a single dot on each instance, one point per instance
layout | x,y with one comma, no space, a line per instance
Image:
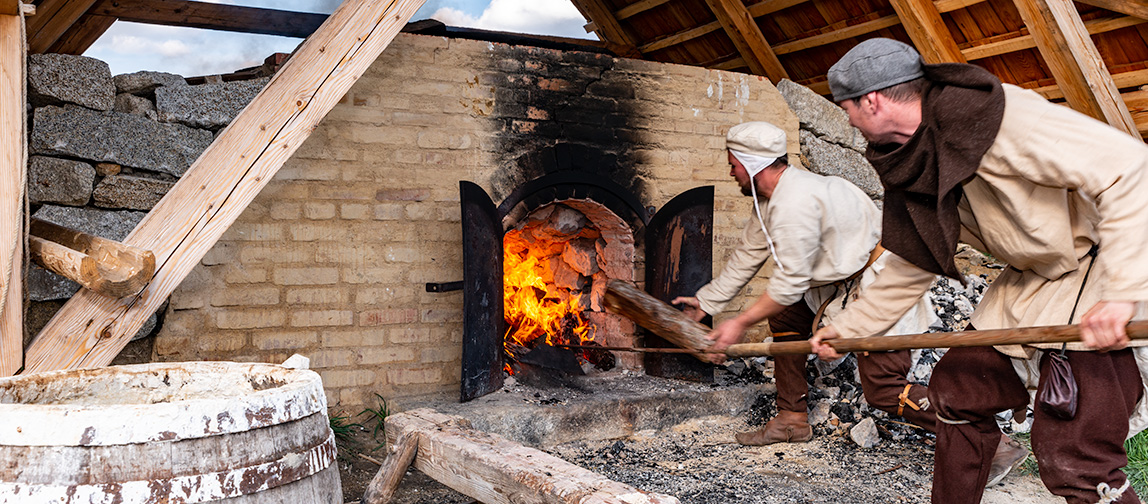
786,427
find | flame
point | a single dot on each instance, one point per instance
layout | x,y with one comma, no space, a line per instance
531,307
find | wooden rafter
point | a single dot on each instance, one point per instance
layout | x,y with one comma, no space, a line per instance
1072,57
741,28
53,18
91,329
83,34
1137,102
13,177
756,10
923,22
1135,8
1021,41
1133,79
952,5
212,16
603,18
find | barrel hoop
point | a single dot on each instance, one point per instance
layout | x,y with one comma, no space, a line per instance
186,489
119,424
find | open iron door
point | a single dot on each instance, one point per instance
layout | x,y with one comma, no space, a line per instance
679,261
482,325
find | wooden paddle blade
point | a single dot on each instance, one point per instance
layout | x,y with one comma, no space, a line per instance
625,299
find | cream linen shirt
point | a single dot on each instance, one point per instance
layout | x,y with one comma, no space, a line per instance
1053,183
823,229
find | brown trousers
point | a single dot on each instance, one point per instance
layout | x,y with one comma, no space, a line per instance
882,373
1074,456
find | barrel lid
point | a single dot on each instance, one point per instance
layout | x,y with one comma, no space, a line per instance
153,402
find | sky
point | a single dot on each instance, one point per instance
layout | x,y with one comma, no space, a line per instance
131,47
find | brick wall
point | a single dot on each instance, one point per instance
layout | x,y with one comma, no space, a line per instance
331,259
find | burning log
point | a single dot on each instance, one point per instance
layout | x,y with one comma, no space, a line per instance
626,299
492,469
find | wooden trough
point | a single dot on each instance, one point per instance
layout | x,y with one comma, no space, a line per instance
171,432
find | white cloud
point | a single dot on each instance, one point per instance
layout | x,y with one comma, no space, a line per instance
543,17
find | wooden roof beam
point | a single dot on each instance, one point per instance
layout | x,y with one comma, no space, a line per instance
1026,41
1075,63
928,32
607,26
91,329
212,16
1135,78
1132,8
82,35
952,5
837,35
741,28
53,18
13,179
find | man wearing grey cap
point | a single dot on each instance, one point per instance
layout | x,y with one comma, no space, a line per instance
1050,192
821,234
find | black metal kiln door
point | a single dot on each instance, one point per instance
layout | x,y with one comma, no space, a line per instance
679,261
483,324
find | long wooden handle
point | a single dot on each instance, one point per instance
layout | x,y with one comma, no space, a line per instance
1018,336
624,298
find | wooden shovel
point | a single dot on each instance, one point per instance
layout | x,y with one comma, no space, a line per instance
664,320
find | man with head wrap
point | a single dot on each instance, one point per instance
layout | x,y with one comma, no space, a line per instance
822,235
1043,188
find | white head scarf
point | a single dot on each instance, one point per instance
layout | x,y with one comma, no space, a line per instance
756,145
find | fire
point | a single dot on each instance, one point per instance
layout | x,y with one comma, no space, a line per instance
535,310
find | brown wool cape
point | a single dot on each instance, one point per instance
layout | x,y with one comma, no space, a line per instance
961,111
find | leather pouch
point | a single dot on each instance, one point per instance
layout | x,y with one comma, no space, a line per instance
1058,397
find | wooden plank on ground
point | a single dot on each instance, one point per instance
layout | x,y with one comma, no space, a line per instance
212,16
13,176
402,453
928,32
53,18
1075,63
494,470
91,329
741,28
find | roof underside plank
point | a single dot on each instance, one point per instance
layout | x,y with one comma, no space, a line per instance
91,329
53,18
212,16
83,34
1074,61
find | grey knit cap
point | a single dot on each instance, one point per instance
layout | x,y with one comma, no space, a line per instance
874,64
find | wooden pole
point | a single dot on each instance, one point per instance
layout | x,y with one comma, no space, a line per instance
647,311
13,177
960,339
91,329
104,266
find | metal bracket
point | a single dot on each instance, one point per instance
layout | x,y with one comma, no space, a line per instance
444,286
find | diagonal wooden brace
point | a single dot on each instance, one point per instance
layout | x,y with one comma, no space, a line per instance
104,266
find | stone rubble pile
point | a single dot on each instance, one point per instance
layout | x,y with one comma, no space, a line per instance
103,150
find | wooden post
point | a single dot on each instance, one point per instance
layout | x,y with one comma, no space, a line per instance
13,177
382,487
494,470
746,36
91,329
923,22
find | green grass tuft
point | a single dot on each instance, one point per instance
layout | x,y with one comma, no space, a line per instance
378,415
1137,469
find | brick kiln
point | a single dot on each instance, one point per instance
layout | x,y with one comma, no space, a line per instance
332,259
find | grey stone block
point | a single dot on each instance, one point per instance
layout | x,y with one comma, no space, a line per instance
831,159
124,139
145,83
63,78
126,191
209,106
138,105
821,116
61,181
43,285
103,223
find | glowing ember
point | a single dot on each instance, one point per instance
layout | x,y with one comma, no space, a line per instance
536,310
